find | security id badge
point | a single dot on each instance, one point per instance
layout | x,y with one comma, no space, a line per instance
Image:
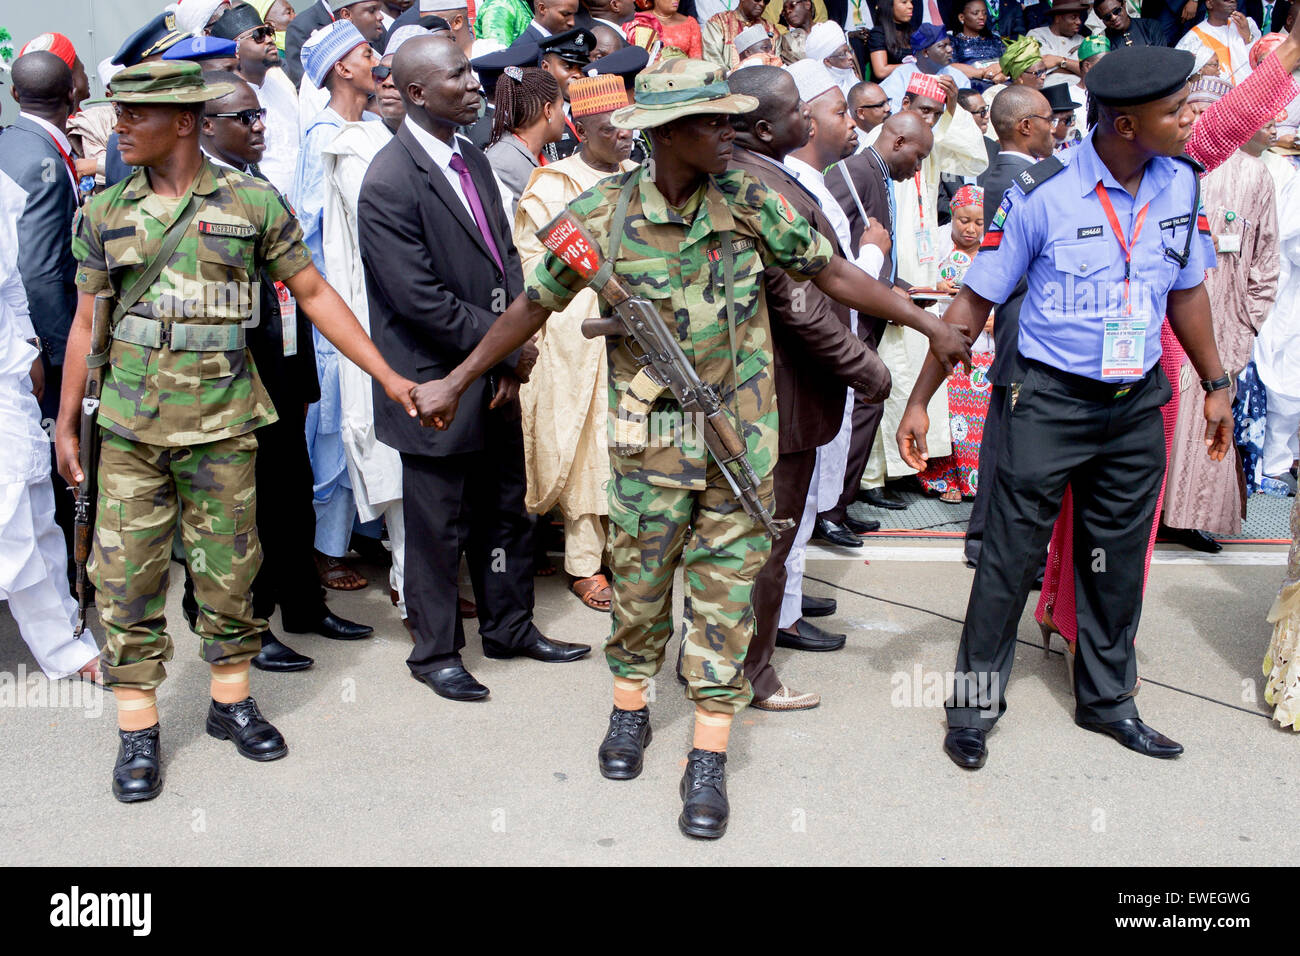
288,319
1123,347
924,246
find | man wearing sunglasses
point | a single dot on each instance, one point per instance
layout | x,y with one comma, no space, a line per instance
258,64
869,107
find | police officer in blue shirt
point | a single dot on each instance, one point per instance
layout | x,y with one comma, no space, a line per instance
1111,242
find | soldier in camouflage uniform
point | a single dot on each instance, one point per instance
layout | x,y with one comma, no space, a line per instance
670,505
181,399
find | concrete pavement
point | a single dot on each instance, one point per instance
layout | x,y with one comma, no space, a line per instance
382,771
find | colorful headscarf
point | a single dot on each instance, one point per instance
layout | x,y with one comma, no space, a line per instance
1019,56
967,196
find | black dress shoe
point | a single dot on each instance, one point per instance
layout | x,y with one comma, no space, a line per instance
453,683
704,795
1135,735
818,607
137,774
539,649
809,637
623,749
967,746
861,527
1192,538
333,627
252,733
275,655
882,498
827,530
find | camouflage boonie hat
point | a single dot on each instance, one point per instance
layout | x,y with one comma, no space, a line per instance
678,87
166,82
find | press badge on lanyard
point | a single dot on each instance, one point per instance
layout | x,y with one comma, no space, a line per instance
1124,337
288,319
924,240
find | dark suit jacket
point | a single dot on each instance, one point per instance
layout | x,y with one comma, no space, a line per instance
1255,10
433,287
29,157
817,355
304,25
869,188
1007,367
530,35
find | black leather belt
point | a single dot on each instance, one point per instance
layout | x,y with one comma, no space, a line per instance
1090,388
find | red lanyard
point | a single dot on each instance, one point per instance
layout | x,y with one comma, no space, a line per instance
572,129
72,167
1125,245
920,206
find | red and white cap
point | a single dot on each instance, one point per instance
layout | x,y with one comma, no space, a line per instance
924,84
55,43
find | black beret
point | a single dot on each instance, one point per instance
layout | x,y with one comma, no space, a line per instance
575,45
1133,75
489,65
156,36
239,19
626,62
1058,97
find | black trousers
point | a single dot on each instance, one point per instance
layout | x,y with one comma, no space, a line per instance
866,422
472,502
988,471
1111,451
286,524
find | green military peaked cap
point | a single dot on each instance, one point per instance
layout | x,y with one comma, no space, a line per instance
678,87
167,82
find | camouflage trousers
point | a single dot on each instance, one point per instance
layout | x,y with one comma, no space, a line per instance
720,549
144,491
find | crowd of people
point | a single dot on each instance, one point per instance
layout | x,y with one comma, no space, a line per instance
843,212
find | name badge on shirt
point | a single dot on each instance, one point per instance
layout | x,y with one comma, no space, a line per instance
1123,347
924,247
288,319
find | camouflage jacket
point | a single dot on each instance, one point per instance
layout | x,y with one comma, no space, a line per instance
671,257
243,227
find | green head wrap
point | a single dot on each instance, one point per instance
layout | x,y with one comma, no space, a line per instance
1092,46
1020,55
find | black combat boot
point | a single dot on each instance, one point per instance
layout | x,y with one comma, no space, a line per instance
624,745
704,795
137,775
243,723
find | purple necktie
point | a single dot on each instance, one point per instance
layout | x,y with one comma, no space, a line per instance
476,206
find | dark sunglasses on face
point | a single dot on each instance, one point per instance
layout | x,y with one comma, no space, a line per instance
260,35
873,106
381,73
983,112
247,117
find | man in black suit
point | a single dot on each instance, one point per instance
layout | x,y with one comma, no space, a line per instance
1022,119
363,13
36,155
1257,11
549,18
440,266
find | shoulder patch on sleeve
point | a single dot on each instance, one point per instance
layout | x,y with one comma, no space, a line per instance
1037,174
785,209
1000,217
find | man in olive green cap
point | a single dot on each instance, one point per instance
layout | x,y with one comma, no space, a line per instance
674,228
180,244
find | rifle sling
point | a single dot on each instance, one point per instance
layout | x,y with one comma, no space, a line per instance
171,239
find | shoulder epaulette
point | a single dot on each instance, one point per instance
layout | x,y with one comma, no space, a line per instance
1197,166
1037,174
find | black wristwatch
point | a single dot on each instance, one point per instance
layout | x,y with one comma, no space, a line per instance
1216,384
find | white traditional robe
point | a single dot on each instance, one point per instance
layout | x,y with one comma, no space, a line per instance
374,469
33,554
1227,38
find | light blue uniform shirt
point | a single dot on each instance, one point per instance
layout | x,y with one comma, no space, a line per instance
1061,238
